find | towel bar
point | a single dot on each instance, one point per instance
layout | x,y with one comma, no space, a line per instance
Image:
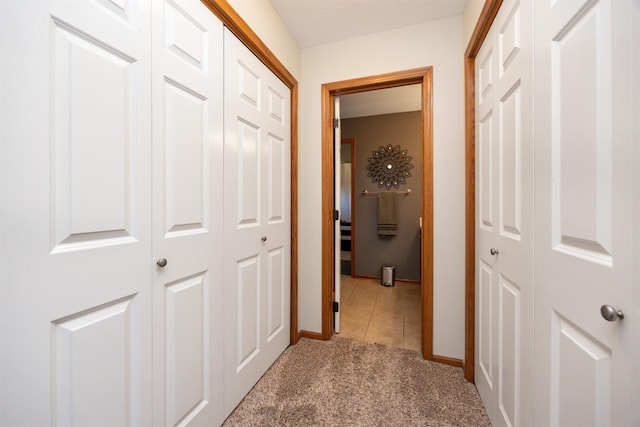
372,193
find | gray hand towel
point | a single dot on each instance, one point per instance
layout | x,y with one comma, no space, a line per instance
387,213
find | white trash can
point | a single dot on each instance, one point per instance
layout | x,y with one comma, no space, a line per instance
387,275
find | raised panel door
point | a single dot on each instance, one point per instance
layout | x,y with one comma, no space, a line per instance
584,213
187,213
486,282
76,202
257,225
504,247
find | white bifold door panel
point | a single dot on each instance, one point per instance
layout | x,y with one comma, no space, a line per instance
76,239
504,217
111,162
187,214
585,160
257,220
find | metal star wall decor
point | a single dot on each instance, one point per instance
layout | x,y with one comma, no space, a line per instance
389,166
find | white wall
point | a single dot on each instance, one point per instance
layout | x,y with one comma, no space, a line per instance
438,44
471,13
265,22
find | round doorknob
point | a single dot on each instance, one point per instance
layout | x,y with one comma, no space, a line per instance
162,262
494,251
264,238
610,313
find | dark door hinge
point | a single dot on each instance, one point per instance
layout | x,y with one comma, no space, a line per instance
336,123
336,306
336,215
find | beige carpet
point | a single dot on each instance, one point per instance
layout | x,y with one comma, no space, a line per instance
344,382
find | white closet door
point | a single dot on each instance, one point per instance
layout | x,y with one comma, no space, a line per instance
504,200
257,224
76,202
584,213
187,213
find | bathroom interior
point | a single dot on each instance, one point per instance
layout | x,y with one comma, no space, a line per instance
372,124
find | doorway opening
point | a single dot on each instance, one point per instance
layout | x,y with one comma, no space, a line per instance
374,121
423,77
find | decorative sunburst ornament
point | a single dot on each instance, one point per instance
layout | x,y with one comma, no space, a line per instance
389,166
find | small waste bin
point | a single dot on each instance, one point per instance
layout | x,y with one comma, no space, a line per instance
387,275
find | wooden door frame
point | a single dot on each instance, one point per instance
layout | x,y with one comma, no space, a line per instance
352,264
486,18
483,25
250,39
422,76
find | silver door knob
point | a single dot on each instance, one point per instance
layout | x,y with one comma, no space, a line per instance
264,238
494,251
162,262
610,313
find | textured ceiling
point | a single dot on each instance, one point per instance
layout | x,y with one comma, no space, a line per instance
316,22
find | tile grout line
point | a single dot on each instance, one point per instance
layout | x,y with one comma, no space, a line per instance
370,317
394,296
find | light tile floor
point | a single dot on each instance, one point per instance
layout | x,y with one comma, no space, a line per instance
378,314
